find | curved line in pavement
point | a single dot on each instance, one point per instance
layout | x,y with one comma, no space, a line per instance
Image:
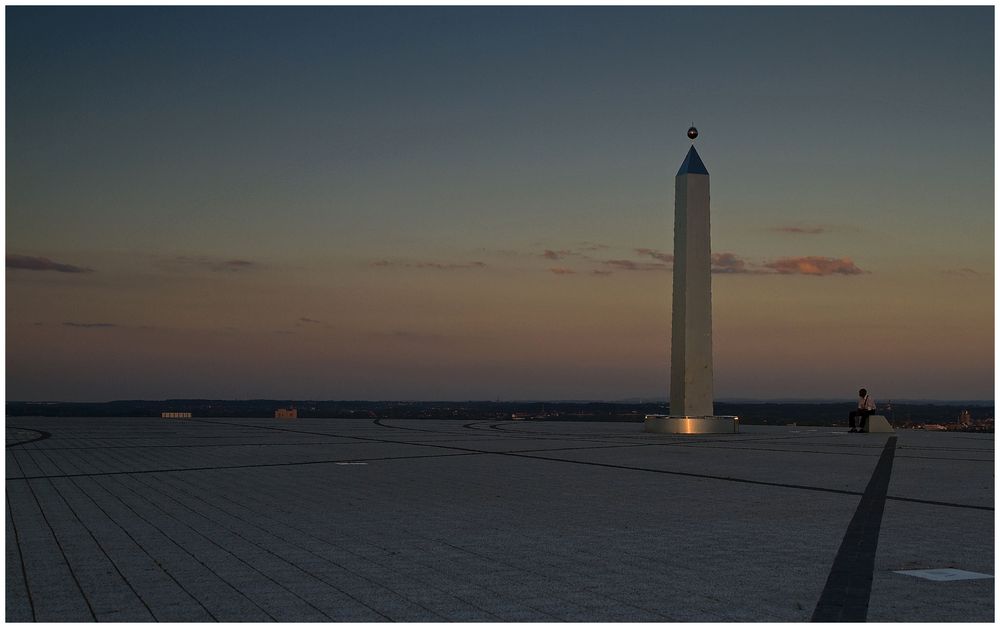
42,435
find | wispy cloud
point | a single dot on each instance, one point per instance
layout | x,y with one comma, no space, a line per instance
577,251
627,264
727,263
560,254
90,325
801,230
237,264
562,271
660,255
601,273
731,264
413,335
501,252
449,265
408,336
305,321
26,262
385,263
963,272
205,262
814,265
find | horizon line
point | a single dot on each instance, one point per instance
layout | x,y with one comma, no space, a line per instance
626,401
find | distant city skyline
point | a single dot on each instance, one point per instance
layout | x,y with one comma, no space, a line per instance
471,203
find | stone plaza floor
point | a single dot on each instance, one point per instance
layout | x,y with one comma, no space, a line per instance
140,519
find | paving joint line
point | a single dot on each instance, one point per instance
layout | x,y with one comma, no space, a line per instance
195,446
224,549
97,543
20,555
253,543
320,556
432,540
128,507
468,451
139,545
245,466
62,551
183,523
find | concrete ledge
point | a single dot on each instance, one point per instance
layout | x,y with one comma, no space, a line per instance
666,424
877,423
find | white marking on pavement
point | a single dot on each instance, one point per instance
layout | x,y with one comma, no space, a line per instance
944,575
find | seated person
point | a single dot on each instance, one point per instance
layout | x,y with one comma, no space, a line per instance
866,407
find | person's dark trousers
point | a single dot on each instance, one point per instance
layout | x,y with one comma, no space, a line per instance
864,414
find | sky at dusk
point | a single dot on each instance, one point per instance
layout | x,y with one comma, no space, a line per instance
473,203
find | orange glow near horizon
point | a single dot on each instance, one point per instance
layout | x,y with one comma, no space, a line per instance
479,332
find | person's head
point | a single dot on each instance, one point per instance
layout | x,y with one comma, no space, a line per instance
862,392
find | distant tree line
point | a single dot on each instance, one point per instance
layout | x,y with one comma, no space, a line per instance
771,413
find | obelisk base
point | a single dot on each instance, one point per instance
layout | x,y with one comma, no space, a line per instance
666,424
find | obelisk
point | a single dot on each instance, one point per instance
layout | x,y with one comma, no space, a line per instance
691,332
691,393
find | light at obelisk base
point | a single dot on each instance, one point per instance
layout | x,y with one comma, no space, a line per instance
691,395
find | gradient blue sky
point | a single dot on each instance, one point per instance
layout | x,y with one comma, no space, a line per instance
336,202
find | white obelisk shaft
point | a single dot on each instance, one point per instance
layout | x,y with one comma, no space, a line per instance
691,348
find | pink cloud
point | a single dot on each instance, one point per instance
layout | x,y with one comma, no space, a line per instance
562,271
550,254
813,265
26,262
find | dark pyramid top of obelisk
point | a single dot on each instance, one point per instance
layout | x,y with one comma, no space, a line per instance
692,164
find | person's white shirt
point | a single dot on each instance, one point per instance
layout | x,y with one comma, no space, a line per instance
867,403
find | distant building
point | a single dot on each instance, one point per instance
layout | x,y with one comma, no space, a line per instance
286,413
175,415
965,418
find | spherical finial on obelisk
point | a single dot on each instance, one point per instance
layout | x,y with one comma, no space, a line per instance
692,133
